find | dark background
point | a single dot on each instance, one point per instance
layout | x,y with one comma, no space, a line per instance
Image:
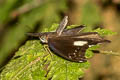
17,17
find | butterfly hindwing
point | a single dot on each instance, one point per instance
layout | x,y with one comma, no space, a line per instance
62,25
65,48
72,31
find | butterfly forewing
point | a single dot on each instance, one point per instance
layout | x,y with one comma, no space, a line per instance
73,48
93,38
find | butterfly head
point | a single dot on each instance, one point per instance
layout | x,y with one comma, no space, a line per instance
43,38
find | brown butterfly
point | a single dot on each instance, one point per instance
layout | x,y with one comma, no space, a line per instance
70,44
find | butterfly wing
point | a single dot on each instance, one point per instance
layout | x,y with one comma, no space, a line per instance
72,31
65,48
73,48
62,25
62,31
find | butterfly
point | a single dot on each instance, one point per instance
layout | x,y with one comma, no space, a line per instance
70,44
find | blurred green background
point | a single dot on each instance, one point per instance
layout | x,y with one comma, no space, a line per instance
17,17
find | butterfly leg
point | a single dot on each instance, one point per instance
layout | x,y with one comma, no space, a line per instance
47,49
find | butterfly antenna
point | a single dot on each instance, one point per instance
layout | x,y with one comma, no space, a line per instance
34,34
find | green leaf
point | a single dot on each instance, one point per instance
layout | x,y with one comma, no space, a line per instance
29,64
104,32
33,62
89,53
61,69
72,26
